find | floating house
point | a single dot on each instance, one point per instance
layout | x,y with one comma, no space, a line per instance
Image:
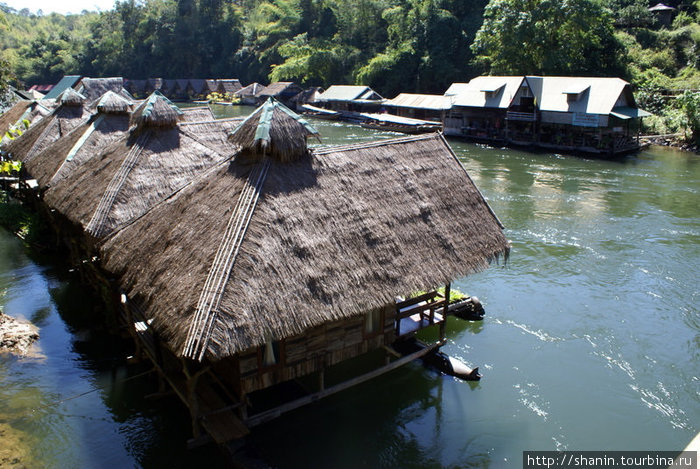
228,86
94,88
155,159
281,261
249,94
71,111
350,98
109,124
282,91
576,114
419,106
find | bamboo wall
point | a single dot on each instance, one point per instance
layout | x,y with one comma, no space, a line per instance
319,348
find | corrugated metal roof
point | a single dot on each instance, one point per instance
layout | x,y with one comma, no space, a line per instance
67,81
490,92
599,95
344,93
626,112
421,101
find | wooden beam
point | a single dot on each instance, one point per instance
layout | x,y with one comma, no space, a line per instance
271,414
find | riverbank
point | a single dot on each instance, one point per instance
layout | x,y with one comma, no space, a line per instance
670,140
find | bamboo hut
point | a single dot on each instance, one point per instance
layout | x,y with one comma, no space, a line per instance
154,160
282,91
70,113
249,94
107,125
282,261
229,86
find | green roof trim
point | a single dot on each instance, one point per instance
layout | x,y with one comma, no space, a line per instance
151,101
262,131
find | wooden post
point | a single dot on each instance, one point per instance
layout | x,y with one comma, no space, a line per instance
192,402
443,324
322,379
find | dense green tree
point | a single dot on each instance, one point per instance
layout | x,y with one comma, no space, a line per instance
547,37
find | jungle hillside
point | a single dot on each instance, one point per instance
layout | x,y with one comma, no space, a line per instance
419,46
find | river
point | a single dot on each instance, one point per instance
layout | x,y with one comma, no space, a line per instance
591,340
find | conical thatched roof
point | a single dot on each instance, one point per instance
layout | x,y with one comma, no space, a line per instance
113,103
156,111
126,179
84,142
332,235
273,130
70,97
41,134
93,88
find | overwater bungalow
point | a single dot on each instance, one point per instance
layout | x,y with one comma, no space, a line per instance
281,262
153,160
229,86
109,124
153,84
94,88
282,91
137,88
350,98
249,94
71,111
575,114
419,106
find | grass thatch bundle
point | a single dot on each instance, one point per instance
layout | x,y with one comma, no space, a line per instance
334,234
273,130
11,116
156,111
113,103
213,133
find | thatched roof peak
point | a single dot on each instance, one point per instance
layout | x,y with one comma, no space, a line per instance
274,130
70,97
113,103
156,111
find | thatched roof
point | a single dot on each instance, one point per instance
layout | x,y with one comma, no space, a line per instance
93,88
70,97
14,114
229,85
280,88
135,86
130,176
331,236
214,133
84,142
253,89
60,122
198,113
113,103
273,130
156,111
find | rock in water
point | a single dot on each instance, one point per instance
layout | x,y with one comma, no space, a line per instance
16,337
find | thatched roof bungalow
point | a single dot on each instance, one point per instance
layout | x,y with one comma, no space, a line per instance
94,88
229,85
282,91
72,111
282,261
109,124
154,160
136,88
249,94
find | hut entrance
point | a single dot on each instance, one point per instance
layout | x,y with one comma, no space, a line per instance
422,311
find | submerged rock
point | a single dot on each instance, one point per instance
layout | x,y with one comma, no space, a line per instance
16,337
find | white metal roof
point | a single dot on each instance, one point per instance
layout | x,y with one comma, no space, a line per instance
421,101
489,92
346,93
596,95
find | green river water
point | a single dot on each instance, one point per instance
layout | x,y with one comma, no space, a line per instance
591,340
